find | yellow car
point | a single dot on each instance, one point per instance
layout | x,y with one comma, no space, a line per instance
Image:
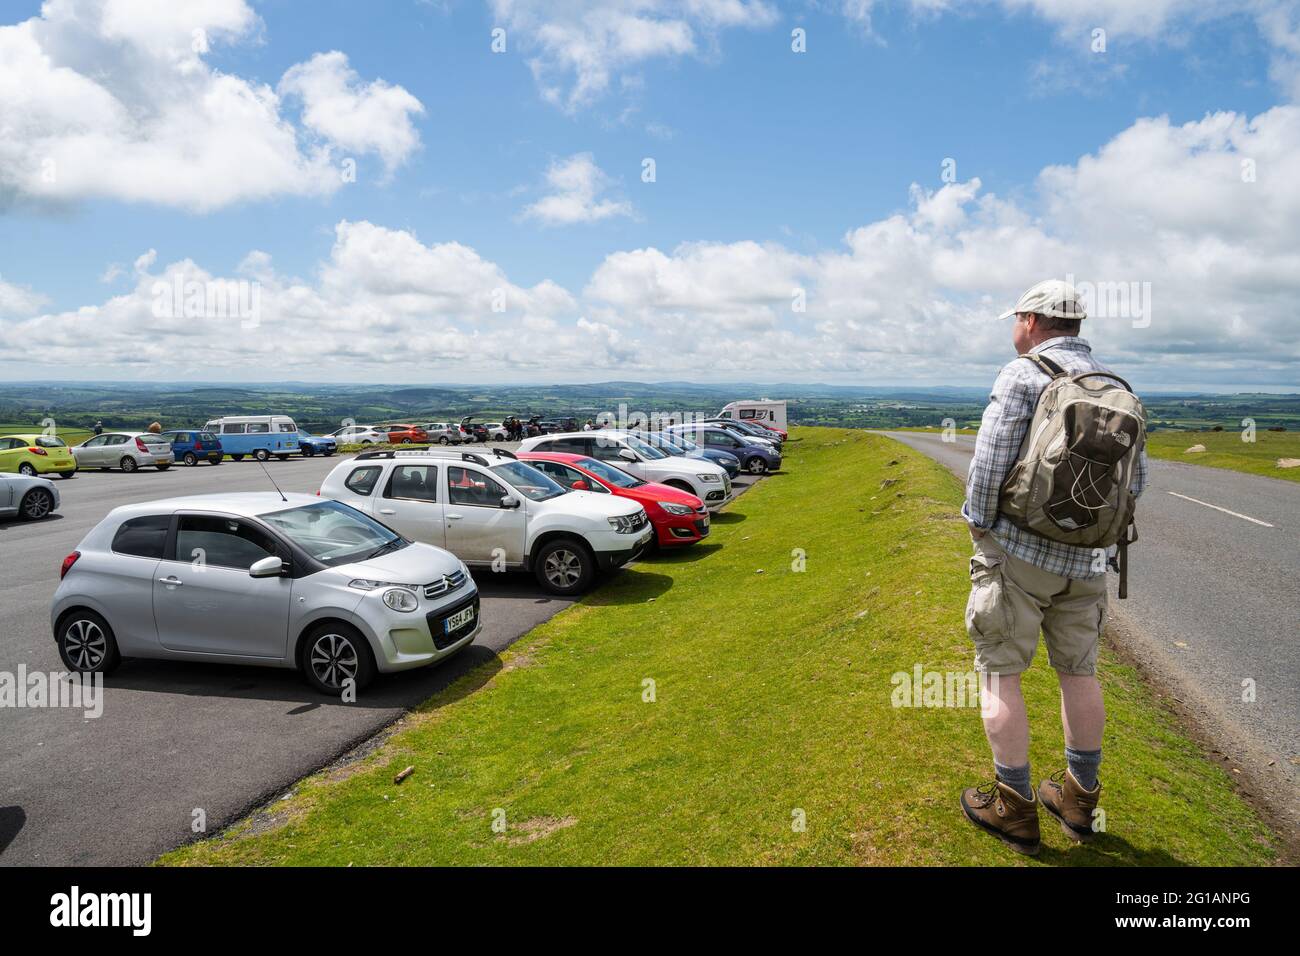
36,455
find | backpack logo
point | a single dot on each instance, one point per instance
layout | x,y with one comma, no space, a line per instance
1122,438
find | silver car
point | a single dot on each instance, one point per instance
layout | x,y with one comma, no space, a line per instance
444,433
129,451
27,496
289,581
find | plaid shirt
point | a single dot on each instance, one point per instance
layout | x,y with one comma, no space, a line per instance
1002,429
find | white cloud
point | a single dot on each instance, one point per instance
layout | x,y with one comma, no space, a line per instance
113,99
363,118
909,297
576,185
18,300
576,48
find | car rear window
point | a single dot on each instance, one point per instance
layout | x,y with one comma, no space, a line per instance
207,436
142,537
362,480
149,438
48,441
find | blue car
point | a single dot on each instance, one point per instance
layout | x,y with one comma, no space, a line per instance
192,445
316,444
757,458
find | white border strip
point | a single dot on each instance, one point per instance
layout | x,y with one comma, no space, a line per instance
1217,508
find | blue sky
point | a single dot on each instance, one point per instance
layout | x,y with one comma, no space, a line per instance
765,159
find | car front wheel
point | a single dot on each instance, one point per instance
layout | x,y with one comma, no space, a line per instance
565,567
756,466
37,504
87,645
334,654
308,451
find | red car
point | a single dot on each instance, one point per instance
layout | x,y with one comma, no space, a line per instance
679,518
406,434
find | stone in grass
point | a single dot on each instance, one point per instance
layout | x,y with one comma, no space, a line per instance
1194,450
1288,462
404,774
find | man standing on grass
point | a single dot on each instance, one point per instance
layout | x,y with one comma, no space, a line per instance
1022,582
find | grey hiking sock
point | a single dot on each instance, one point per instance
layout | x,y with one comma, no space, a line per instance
1015,777
1084,764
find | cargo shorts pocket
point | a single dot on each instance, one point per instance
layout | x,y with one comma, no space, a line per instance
987,615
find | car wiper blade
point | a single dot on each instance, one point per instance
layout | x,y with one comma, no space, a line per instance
384,548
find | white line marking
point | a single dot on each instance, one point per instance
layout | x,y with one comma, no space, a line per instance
1217,508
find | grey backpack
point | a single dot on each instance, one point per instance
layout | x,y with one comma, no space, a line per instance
1071,481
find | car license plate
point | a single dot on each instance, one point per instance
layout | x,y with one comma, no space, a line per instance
458,619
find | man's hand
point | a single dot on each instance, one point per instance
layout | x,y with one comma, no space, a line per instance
976,533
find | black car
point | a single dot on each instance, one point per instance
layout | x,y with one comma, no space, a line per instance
477,430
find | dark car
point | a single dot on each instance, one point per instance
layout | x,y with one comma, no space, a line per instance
756,457
740,429
477,430
194,445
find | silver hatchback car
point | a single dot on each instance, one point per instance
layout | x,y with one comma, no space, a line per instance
280,581
28,496
129,451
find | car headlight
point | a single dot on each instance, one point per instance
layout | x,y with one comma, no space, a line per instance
675,509
623,524
708,477
400,599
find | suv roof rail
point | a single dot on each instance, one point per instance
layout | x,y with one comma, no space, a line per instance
503,453
476,459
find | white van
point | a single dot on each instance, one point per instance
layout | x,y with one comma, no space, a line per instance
258,435
764,410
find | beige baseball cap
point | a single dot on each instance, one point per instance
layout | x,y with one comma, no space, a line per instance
1050,297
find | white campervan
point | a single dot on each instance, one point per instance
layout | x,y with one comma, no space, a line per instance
764,411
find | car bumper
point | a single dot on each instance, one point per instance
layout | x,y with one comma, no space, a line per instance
678,531
57,467
418,639
613,550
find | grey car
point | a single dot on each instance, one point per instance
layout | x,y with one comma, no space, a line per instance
129,451
288,581
30,497
444,433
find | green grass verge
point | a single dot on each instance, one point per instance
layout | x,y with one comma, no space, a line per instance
772,697
1225,449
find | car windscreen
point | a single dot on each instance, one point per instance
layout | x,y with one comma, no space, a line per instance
333,533
649,452
528,481
609,474
49,441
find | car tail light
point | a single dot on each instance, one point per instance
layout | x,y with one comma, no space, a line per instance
198,446
139,443
68,562
37,451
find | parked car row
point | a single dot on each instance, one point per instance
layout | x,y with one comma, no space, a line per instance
372,574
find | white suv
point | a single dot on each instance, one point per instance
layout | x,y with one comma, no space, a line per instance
703,479
492,510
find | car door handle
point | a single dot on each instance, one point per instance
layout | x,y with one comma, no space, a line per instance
388,511
454,517
172,581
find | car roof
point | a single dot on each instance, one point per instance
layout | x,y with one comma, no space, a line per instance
246,504
567,457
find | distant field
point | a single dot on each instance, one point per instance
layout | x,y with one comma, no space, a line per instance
1225,449
73,436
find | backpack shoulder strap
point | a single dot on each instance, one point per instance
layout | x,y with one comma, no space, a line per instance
1045,364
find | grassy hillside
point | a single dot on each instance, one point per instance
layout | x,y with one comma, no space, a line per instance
772,703
1225,449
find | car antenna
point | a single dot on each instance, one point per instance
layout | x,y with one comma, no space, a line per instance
272,481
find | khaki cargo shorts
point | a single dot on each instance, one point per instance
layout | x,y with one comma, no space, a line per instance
1011,600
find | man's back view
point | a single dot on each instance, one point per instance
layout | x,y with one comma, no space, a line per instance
1022,581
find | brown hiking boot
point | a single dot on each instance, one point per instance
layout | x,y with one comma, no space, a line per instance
1002,811
1065,799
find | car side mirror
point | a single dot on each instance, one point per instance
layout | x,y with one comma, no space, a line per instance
271,567
509,501
580,485
627,454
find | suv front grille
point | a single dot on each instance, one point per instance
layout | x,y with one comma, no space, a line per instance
640,521
445,584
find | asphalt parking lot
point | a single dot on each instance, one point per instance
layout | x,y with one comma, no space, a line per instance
176,738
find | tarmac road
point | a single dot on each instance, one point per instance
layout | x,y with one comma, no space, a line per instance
179,737
1214,601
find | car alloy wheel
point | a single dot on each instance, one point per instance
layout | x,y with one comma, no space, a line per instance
27,468
128,464
37,504
333,659
756,466
85,646
444,440
191,459
563,568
